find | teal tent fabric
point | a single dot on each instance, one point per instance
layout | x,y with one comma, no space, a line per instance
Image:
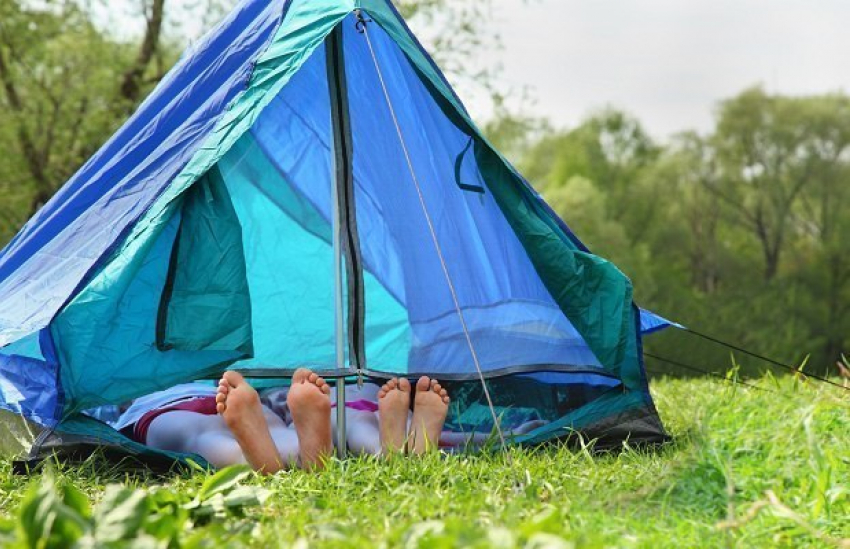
205,303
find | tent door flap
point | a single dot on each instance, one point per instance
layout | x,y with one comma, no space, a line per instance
205,304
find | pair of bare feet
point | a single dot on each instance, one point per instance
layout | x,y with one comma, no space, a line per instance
309,403
430,405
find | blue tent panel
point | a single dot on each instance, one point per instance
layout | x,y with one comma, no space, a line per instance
512,319
28,380
651,322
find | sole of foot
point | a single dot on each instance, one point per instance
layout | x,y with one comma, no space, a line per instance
393,405
311,413
239,405
430,406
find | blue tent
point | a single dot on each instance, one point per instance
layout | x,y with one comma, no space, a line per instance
304,188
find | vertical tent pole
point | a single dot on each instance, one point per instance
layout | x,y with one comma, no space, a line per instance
345,240
339,332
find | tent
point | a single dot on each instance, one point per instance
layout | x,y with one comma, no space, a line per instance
304,188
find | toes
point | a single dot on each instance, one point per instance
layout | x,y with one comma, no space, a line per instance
436,387
446,399
233,379
423,384
444,393
220,398
220,407
326,389
312,377
401,384
300,375
320,382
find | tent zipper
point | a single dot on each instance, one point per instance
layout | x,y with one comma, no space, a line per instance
343,163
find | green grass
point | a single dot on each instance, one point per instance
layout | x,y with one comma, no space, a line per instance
747,469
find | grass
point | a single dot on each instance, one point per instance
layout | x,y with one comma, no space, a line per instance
748,468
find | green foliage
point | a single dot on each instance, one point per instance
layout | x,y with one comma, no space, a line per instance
55,514
748,468
60,99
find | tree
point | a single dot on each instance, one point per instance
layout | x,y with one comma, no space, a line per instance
822,225
153,12
765,147
686,171
66,86
612,150
595,177
454,32
67,80
57,94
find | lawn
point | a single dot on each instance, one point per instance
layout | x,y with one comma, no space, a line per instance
748,468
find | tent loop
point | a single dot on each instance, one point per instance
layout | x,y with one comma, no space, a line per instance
362,20
433,233
459,166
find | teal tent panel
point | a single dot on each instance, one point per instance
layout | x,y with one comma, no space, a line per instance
289,261
106,336
28,347
205,304
92,315
81,429
287,160
289,250
608,405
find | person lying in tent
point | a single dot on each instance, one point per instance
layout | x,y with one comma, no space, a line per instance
286,427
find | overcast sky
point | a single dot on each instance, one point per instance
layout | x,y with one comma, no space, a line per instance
666,61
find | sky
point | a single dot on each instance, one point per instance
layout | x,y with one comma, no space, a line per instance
668,62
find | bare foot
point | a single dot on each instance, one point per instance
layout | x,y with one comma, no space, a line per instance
239,405
311,413
430,406
393,404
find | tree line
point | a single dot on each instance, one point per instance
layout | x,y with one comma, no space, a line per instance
739,232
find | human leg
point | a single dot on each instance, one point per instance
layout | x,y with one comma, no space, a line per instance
239,406
194,433
393,406
311,414
430,406
362,432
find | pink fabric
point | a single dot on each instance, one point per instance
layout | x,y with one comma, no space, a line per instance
203,405
361,405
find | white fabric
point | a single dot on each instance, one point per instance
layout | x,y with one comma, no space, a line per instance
145,404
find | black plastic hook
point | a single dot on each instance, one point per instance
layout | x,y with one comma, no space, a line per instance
360,25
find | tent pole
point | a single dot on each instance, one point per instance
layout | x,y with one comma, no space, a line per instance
339,333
